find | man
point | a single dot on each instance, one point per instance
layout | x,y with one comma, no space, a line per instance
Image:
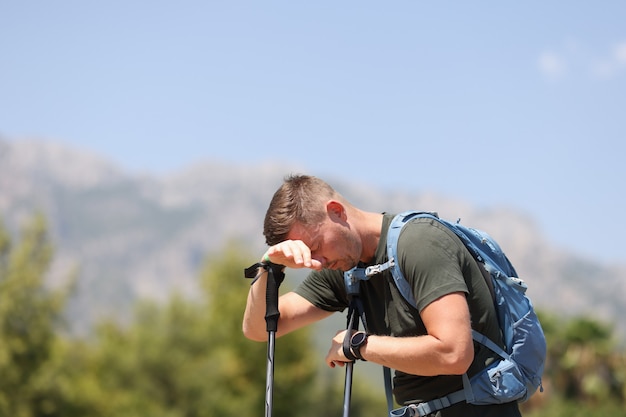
309,225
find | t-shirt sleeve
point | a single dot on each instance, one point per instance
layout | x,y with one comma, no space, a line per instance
430,257
324,289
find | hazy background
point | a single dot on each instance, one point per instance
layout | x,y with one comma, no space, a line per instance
517,104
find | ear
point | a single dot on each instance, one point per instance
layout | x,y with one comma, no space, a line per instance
336,211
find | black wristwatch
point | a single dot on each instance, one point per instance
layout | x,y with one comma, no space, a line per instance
356,341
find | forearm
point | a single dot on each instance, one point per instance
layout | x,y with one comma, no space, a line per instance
295,312
254,314
420,355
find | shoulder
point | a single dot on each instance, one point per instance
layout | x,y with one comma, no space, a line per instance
424,235
324,289
432,259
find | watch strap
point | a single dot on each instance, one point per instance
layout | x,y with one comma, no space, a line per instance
347,348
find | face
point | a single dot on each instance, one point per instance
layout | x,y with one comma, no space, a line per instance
332,243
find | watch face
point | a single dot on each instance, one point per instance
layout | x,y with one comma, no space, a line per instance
358,338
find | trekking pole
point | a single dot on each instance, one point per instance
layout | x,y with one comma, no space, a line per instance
347,393
347,389
355,312
275,277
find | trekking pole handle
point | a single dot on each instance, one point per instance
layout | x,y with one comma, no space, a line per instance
275,277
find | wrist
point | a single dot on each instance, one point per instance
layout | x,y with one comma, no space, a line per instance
357,342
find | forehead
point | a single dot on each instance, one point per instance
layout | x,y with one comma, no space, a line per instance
305,233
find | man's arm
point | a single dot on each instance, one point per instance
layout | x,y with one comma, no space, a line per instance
447,349
295,311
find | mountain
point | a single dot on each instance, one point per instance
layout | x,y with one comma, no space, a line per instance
134,235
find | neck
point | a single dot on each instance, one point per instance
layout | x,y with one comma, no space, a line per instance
373,223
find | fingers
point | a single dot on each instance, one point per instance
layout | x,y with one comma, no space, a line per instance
335,356
337,363
293,254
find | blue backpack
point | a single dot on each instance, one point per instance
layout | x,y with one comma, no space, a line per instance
517,375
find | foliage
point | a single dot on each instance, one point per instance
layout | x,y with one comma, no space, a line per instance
584,372
29,314
558,407
183,358
188,358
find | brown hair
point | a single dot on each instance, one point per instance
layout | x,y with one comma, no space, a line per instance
299,199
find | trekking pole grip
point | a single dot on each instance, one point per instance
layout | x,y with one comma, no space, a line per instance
275,277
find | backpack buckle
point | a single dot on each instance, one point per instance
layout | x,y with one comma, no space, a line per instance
377,269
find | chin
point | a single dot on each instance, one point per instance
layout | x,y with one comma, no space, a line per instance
346,268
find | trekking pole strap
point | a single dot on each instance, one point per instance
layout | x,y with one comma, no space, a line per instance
352,324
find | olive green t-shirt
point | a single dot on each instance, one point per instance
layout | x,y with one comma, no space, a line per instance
435,263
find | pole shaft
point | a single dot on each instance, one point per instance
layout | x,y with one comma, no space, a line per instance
269,389
347,392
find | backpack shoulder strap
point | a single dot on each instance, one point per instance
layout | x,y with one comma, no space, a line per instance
393,234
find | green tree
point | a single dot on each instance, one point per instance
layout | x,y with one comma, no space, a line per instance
30,313
187,358
240,365
584,372
584,360
182,358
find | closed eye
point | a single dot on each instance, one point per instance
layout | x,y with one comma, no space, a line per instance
316,249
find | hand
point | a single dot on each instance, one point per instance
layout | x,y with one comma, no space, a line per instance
292,254
335,354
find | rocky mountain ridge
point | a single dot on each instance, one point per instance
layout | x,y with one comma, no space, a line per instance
140,235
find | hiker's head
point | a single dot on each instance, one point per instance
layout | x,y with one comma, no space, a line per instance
301,199
308,209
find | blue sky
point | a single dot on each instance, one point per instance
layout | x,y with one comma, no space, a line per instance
519,104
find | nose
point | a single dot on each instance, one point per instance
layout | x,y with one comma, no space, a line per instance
322,260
